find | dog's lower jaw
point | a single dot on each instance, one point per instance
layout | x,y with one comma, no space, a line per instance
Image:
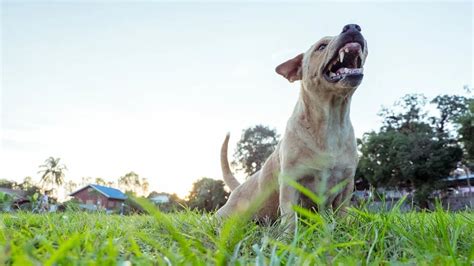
351,82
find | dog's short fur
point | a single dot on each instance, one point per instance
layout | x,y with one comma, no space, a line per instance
319,144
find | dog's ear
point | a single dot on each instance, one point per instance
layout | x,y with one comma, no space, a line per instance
291,69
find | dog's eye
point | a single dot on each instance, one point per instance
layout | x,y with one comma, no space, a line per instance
322,46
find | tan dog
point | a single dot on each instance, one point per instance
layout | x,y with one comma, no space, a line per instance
318,149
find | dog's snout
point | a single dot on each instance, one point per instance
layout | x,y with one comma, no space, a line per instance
351,27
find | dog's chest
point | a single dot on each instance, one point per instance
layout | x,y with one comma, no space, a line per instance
327,176
326,169
330,158
309,158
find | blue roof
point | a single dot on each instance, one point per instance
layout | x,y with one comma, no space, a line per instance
461,177
110,192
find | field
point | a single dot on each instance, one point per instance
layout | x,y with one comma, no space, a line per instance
190,238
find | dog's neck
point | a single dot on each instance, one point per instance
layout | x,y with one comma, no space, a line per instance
326,115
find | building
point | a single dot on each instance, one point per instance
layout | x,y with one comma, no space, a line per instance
18,197
93,197
160,199
14,193
461,184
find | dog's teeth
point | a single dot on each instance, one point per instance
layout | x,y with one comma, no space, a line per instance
341,56
331,74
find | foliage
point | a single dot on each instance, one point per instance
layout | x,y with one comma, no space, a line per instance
52,172
408,150
132,206
27,189
70,186
451,108
392,158
32,203
466,130
5,198
27,184
131,182
72,205
31,191
100,181
8,184
5,201
254,147
406,113
207,194
190,238
85,180
145,185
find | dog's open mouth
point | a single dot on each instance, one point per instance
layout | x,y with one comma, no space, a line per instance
347,63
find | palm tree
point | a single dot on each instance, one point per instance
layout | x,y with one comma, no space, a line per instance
53,172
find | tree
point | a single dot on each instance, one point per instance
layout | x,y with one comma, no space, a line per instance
414,160
130,182
145,185
466,129
100,181
451,108
29,186
458,111
53,172
70,186
8,184
405,113
207,194
86,180
27,183
407,151
254,147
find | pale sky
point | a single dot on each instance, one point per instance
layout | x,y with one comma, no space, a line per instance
153,87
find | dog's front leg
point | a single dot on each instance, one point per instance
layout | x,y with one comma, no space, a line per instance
342,201
288,198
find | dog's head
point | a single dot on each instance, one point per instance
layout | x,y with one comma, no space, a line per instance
333,63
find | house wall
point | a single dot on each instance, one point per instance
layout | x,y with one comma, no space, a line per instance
114,204
90,196
452,203
459,203
160,199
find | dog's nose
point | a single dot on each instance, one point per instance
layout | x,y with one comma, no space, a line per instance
351,27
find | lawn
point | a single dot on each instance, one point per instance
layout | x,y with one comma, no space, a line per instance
190,238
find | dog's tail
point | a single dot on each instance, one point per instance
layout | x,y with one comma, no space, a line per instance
229,178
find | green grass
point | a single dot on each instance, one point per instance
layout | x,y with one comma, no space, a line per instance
190,238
